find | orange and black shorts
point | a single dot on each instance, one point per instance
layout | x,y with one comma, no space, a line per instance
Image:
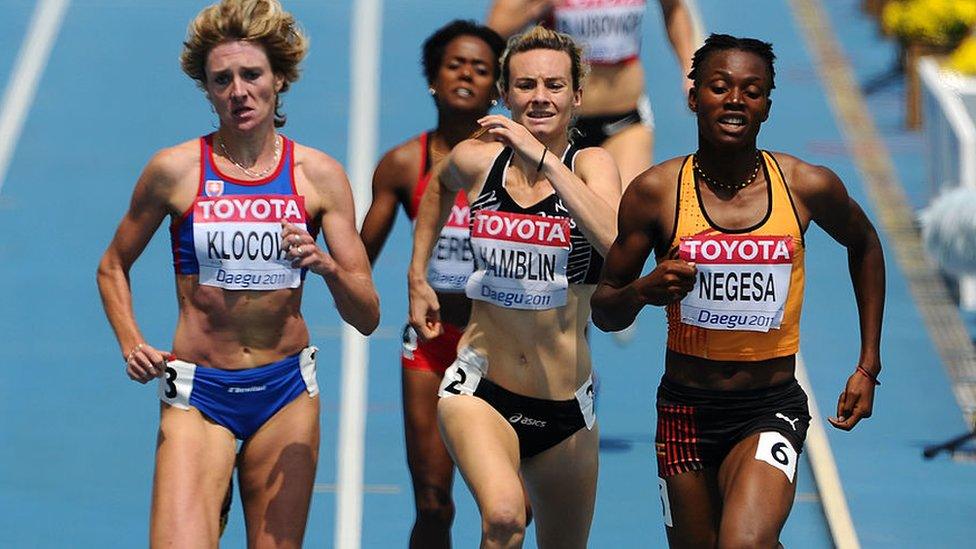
697,428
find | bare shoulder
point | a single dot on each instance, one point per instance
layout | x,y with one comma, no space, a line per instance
171,176
805,179
595,156
474,156
174,163
318,169
657,182
400,165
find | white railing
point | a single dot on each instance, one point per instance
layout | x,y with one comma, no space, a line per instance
949,107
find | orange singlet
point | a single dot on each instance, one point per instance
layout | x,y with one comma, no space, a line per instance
748,293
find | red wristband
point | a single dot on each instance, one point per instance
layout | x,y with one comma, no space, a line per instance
869,375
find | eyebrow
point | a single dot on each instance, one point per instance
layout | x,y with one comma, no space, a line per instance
727,74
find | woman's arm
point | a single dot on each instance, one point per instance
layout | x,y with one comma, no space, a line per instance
509,17
592,196
391,187
345,267
150,203
824,197
458,171
622,292
681,34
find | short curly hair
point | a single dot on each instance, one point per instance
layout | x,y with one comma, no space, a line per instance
724,42
262,22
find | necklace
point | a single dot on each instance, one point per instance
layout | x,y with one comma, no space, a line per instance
726,186
256,175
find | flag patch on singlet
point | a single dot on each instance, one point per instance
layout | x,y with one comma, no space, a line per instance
520,260
238,240
742,281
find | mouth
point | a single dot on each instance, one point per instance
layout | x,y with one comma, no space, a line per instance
240,112
463,92
733,122
540,115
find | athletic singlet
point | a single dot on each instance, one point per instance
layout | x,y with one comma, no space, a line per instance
525,258
749,289
451,260
608,30
231,235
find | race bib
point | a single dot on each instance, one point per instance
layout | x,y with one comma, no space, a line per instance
238,241
520,260
452,259
608,29
463,375
742,281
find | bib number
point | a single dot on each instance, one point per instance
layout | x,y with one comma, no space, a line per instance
776,450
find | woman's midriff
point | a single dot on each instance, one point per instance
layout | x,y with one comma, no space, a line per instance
239,329
612,89
701,373
541,354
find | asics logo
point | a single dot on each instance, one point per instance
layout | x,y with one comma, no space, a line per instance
522,420
792,422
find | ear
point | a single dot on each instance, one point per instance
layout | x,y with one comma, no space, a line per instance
693,98
578,98
769,105
279,82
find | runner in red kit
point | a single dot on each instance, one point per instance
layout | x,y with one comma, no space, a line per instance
460,63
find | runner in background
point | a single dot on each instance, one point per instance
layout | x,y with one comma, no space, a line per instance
460,63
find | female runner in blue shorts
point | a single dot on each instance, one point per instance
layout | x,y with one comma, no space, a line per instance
245,205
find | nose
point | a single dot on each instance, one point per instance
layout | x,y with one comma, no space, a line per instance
466,72
237,90
734,98
540,95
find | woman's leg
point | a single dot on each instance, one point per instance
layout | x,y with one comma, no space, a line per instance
562,486
692,509
757,495
194,462
486,451
276,470
431,467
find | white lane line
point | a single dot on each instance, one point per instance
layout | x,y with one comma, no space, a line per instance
31,60
363,116
367,488
825,471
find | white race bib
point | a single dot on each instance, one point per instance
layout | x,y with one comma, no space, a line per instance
452,259
608,29
742,281
238,240
520,260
